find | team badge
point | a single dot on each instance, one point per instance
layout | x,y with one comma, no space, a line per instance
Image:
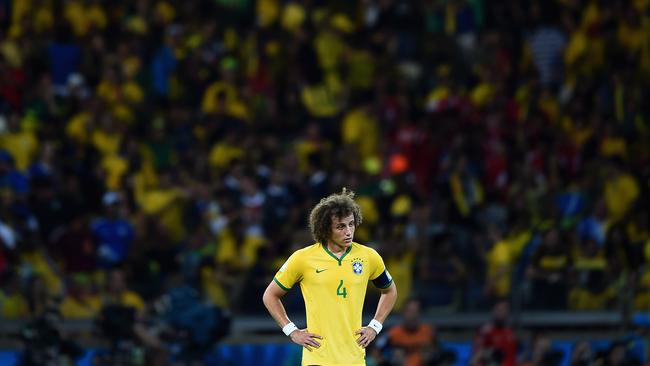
357,266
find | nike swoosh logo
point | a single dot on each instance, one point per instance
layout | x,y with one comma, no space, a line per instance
320,270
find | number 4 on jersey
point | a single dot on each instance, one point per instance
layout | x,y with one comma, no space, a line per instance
341,291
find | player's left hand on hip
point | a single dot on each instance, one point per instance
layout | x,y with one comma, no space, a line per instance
366,335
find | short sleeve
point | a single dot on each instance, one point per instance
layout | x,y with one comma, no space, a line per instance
289,273
379,274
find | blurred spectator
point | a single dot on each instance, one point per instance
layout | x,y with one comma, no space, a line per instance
500,261
400,262
14,305
163,65
65,58
12,179
621,190
73,245
113,234
593,227
496,342
238,252
441,273
40,272
80,301
549,271
359,128
20,142
582,355
618,355
413,343
541,352
546,43
238,246
279,203
192,326
592,290
38,297
117,292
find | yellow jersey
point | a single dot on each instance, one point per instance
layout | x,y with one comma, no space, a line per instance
334,291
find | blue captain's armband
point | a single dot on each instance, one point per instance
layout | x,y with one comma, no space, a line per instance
383,280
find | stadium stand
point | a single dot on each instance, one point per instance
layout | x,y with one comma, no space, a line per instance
158,158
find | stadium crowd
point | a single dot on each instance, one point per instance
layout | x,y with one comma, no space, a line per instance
498,148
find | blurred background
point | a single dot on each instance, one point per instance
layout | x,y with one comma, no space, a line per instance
158,160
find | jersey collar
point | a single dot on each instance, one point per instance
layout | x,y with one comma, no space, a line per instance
334,256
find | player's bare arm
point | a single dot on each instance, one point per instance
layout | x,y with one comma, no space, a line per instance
271,299
386,302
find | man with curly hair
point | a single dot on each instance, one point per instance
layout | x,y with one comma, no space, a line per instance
333,275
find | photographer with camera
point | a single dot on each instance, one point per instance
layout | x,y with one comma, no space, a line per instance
189,326
179,326
120,323
45,344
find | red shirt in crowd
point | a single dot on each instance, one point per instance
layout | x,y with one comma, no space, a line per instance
497,338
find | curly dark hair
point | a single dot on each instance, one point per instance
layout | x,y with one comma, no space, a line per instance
337,205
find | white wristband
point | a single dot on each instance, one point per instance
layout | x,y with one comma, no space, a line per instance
287,329
376,325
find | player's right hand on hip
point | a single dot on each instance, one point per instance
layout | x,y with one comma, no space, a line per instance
305,339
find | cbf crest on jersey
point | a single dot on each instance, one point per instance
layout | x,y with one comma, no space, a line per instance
357,266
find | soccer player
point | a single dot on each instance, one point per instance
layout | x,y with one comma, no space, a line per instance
333,275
